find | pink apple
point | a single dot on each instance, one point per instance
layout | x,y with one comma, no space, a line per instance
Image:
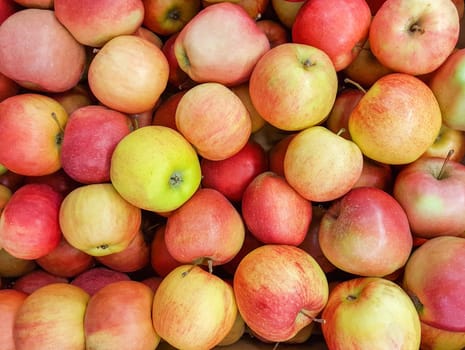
96,278
232,175
94,24
404,34
36,279
29,226
200,45
274,212
366,232
318,24
161,260
10,301
57,68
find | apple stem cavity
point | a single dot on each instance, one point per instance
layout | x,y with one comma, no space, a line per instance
354,83
59,136
416,28
315,319
443,167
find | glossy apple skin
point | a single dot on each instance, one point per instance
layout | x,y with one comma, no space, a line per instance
276,154
36,279
119,316
165,113
94,24
29,225
232,175
432,204
317,24
376,174
94,279
161,260
55,315
207,227
279,290
366,233
10,301
409,29
274,212
361,312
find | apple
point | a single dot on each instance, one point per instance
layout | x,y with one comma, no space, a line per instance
66,260
72,99
37,142
275,31
432,192
366,232
318,24
166,17
149,35
235,333
209,51
276,154
5,195
402,34
41,4
232,175
193,309
242,91
59,180
95,24
369,313
374,5
94,279
119,316
8,87
447,139
279,290
89,140
161,260
436,338
155,168
10,301
396,120
36,279
139,120
153,282
177,78
13,267
286,11
274,212
55,315
7,8
11,179
207,229
376,174
29,226
56,69
165,113
293,86
326,173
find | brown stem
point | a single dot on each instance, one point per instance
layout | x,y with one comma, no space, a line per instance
357,85
443,167
315,319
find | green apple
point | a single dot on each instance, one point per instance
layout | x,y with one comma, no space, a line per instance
155,168
3,169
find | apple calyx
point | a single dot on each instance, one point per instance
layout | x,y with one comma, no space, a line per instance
443,167
307,63
416,28
174,14
59,136
175,179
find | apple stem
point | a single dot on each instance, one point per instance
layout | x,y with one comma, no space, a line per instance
341,130
443,167
315,319
59,137
275,346
185,273
357,85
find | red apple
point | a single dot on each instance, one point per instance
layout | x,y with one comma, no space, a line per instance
276,154
177,78
7,8
36,279
153,282
275,31
376,174
161,260
165,113
8,87
374,5
96,278
10,301
60,181
12,180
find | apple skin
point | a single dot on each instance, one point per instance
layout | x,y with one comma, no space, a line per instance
275,31
7,8
293,86
326,173
155,168
36,279
89,140
214,120
97,220
232,175
376,174
286,11
56,69
78,96
10,301
317,24
193,309
5,195
397,104
447,139
8,87
276,154
37,142
55,315
199,47
433,202
95,24
29,226
206,229
166,17
440,339
60,181
409,29
178,79
119,316
254,8
161,260
250,243
274,212
369,313
13,267
366,232
97,277
165,113
242,91
265,285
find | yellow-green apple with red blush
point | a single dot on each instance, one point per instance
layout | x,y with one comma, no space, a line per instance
274,212
36,279
366,232
232,175
193,309
161,261
97,277
37,141
279,289
275,31
119,315
155,168
56,69
396,104
13,267
200,45
207,229
447,139
286,11
94,24
432,192
10,302
214,120
433,279
166,17
322,165
242,91
293,86
402,33
97,220
55,315
370,313
317,24
29,225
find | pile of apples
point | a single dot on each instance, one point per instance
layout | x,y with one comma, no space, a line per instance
196,174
